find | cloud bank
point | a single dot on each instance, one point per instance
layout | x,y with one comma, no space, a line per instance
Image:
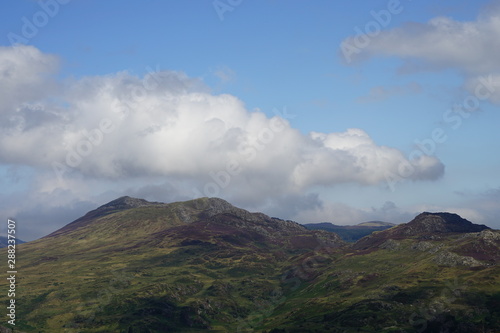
442,43
167,124
80,137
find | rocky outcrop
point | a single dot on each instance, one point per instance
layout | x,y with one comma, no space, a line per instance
437,223
424,227
451,259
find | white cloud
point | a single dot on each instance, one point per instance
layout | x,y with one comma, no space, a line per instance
25,76
343,214
336,213
84,137
441,43
167,124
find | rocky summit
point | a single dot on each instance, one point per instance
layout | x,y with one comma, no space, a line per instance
205,265
424,226
426,223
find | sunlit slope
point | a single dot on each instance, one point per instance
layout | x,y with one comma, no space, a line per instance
205,265
132,265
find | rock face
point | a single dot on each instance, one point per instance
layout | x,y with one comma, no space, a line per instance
451,259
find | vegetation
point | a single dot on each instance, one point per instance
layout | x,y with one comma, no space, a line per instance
204,265
353,233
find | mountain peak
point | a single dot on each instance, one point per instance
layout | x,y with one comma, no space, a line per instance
127,202
425,225
442,222
217,203
213,206
122,203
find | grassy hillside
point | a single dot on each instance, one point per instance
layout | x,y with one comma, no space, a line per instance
205,265
190,265
402,286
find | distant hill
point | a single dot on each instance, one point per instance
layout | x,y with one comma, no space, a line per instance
351,233
205,265
423,227
4,241
376,224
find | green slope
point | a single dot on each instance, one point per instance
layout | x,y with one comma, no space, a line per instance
183,266
205,265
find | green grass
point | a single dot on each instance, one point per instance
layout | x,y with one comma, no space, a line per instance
122,273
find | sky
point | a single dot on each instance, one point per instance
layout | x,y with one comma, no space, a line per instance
318,111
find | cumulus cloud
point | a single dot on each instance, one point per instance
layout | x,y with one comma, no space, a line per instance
166,132
441,43
25,76
343,214
166,124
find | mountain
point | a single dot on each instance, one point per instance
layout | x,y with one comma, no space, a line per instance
206,265
122,203
131,265
4,241
437,273
351,233
424,226
376,224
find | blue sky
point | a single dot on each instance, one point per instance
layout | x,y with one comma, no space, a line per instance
252,101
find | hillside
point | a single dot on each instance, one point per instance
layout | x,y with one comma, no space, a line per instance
196,264
205,265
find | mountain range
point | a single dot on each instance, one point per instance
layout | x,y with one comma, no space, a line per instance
4,241
206,265
351,233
